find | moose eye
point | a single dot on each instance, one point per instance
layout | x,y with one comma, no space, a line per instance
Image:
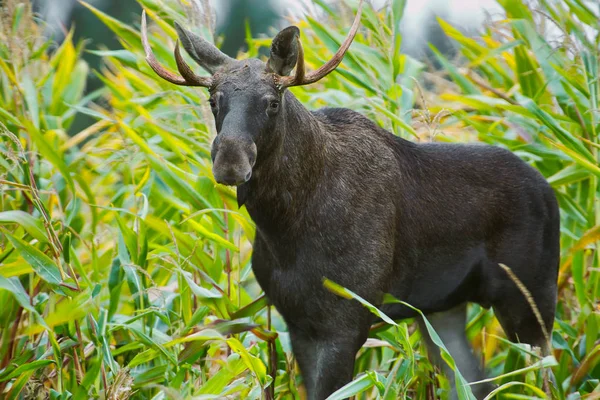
273,105
212,102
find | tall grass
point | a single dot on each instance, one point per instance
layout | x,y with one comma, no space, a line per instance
125,270
539,97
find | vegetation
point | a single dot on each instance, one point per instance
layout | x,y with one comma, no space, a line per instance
125,270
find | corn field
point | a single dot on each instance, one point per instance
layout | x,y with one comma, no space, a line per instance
125,270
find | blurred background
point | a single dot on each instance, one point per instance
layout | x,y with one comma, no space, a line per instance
263,15
261,18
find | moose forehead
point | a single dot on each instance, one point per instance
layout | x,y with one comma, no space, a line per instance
244,75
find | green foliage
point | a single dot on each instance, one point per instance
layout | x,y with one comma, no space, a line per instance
540,100
125,270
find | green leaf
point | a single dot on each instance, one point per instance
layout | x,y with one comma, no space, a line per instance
143,358
13,285
18,15
251,309
31,98
32,366
398,7
233,367
32,225
348,294
130,239
18,385
177,184
126,34
41,263
199,291
457,77
564,136
51,155
125,56
515,359
254,363
568,176
115,282
358,385
202,231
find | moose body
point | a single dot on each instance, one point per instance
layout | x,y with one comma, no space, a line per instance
428,223
335,196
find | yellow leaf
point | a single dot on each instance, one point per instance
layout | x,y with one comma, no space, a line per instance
16,268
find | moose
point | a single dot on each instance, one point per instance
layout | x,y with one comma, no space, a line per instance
335,196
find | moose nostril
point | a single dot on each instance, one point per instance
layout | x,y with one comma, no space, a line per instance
248,175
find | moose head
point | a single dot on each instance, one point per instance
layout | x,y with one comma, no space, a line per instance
246,96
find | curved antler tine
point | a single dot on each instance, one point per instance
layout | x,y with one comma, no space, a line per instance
151,59
339,55
300,68
165,73
184,69
302,78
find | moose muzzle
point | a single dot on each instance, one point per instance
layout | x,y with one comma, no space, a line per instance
233,158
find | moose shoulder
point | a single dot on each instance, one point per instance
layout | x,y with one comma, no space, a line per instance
335,196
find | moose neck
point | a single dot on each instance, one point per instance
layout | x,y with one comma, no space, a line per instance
285,176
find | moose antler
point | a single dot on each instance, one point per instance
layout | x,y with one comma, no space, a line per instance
302,78
187,78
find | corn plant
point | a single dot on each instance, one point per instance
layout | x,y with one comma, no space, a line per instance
125,269
538,95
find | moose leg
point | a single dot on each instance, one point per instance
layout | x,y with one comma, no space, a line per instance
450,327
326,361
519,321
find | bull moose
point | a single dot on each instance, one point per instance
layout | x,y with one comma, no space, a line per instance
335,196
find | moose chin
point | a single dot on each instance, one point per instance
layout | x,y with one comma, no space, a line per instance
335,196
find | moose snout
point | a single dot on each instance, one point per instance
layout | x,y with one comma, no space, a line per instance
232,176
233,160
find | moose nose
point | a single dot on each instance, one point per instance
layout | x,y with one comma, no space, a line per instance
233,159
232,177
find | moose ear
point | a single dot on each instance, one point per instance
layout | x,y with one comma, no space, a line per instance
204,53
284,51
